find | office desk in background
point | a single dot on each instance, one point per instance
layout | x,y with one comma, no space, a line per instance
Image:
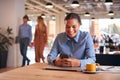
108,59
36,72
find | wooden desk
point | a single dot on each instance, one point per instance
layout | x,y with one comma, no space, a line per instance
35,72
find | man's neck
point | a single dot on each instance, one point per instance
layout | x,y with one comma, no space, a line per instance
25,23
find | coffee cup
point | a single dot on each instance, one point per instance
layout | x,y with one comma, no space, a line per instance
91,67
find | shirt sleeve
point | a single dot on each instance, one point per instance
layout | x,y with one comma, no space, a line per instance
54,52
30,34
89,52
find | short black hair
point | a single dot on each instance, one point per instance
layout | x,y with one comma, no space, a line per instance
25,17
73,16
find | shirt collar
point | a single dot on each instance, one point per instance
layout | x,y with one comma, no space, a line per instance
76,38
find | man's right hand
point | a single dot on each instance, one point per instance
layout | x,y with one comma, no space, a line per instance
58,62
67,62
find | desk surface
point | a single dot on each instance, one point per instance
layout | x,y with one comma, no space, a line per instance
36,72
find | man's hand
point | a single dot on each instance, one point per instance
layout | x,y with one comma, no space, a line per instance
70,62
58,62
67,62
30,45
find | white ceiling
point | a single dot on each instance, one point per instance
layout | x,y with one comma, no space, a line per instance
96,8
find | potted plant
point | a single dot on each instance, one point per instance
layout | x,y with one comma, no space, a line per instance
6,40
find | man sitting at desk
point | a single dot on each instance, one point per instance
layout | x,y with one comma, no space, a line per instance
78,45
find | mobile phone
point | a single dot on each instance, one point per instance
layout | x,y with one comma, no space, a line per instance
64,56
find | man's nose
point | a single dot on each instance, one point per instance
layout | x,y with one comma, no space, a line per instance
70,29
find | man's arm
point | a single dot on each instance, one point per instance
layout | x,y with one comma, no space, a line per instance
30,33
19,32
54,52
89,52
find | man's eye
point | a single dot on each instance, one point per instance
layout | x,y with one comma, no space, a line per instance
67,26
74,26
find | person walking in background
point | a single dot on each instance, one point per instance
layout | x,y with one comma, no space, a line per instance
25,37
40,39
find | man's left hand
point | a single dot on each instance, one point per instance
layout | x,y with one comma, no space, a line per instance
71,62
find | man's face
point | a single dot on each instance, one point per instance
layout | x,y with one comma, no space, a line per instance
72,27
25,20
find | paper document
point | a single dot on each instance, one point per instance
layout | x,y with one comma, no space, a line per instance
111,68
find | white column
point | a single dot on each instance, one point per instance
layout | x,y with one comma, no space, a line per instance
94,29
11,13
60,26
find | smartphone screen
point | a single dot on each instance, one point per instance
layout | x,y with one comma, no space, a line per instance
64,56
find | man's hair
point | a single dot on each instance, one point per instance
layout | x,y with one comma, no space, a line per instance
26,17
73,16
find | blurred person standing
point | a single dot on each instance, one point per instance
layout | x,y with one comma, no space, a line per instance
40,39
108,41
102,44
25,37
96,42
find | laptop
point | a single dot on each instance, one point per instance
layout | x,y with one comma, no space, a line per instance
52,67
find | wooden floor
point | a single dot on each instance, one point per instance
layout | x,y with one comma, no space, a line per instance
5,69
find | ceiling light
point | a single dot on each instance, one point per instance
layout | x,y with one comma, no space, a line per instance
108,2
49,5
43,15
92,19
110,13
75,4
53,17
112,18
65,0
87,14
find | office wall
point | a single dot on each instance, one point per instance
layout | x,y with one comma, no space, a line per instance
11,13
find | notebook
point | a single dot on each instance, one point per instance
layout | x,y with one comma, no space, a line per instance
51,67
